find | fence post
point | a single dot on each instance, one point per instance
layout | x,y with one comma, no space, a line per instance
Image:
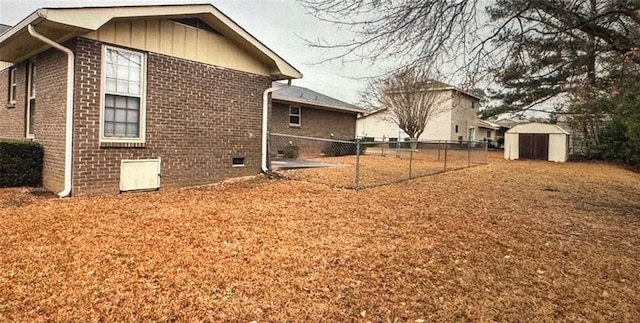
411,156
486,152
382,146
357,175
438,150
469,153
445,155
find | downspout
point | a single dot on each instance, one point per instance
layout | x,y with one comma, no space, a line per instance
69,110
265,123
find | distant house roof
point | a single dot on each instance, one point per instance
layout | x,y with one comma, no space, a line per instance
437,85
488,125
301,95
4,28
61,24
509,122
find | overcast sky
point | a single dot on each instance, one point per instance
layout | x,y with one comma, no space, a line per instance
282,25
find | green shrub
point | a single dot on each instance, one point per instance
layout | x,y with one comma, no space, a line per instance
20,163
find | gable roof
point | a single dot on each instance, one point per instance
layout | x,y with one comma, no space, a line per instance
60,24
537,128
302,95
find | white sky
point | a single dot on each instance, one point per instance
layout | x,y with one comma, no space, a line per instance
280,24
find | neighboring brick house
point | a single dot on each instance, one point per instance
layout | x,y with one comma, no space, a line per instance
457,118
302,112
174,91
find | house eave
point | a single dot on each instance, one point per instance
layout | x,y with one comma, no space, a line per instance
60,24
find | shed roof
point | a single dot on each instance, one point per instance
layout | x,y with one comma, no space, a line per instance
302,95
61,24
537,128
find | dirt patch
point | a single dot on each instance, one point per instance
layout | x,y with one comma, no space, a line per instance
510,241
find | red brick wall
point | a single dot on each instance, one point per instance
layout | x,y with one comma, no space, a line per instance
198,117
12,117
50,86
314,122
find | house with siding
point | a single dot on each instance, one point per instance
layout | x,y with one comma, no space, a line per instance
456,118
299,111
128,98
488,130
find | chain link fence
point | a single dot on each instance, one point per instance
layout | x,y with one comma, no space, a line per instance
368,162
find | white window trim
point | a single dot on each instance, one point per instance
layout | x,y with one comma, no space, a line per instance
299,115
30,77
143,97
13,85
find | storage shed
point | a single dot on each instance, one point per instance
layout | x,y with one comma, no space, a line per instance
539,141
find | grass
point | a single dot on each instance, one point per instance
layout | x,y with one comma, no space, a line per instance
376,169
509,241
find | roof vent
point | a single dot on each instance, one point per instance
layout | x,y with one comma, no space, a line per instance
196,23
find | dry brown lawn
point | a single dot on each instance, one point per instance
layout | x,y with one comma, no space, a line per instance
509,241
376,170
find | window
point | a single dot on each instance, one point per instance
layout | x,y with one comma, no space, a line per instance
473,105
456,128
237,161
123,100
11,96
488,133
294,116
31,99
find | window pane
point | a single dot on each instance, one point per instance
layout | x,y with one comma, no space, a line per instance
109,114
121,115
136,60
132,116
133,103
132,130
134,75
295,110
121,102
110,70
134,88
121,129
109,101
123,73
294,120
111,85
109,129
122,86
112,57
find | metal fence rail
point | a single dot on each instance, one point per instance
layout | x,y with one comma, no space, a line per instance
369,162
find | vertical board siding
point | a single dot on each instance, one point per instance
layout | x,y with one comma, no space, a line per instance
178,40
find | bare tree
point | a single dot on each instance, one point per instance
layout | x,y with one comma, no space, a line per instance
541,38
412,100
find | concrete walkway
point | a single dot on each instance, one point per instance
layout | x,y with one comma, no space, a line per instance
286,163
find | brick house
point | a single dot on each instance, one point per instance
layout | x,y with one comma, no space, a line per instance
120,97
456,118
303,112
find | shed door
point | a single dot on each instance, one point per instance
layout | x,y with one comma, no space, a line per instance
541,146
533,146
